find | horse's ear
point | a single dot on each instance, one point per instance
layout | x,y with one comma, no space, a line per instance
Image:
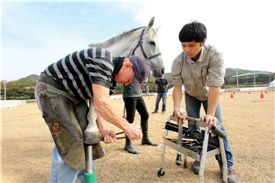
151,23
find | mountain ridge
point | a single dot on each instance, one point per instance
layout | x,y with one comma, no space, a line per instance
229,74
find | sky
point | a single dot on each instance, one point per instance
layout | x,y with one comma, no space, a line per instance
38,33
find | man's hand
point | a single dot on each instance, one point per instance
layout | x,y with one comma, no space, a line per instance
133,132
209,120
109,136
179,115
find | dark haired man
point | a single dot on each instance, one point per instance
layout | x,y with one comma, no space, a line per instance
200,69
161,94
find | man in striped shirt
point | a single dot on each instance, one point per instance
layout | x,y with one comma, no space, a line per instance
62,93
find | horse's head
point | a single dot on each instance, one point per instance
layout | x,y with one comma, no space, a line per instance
148,47
142,42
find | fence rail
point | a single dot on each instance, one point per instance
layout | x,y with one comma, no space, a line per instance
11,103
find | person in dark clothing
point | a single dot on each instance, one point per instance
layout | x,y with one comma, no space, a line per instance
133,100
162,94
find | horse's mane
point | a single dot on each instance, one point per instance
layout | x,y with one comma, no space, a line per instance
113,40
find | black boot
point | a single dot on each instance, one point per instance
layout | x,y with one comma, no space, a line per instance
145,138
128,147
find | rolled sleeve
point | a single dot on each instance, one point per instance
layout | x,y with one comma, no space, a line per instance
176,71
216,71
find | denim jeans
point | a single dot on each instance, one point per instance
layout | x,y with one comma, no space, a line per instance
193,106
162,96
63,173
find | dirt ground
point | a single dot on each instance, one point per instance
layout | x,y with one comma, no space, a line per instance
249,120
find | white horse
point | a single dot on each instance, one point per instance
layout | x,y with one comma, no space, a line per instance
141,42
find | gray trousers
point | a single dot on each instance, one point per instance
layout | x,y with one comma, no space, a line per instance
66,118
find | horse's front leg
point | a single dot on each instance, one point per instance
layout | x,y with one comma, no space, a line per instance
92,126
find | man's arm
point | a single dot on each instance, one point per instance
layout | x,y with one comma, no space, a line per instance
213,98
177,97
215,80
104,109
177,81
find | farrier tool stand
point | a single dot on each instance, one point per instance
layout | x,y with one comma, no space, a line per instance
197,145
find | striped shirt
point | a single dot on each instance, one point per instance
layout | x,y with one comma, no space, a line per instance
79,70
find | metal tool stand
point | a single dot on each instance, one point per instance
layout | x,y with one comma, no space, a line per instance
210,145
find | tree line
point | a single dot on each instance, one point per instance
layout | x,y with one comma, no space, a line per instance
23,89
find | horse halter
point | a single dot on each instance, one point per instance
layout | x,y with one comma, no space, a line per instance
140,41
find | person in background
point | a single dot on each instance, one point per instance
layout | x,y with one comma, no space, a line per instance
133,100
200,68
62,92
162,84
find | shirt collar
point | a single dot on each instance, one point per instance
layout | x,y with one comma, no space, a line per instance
200,58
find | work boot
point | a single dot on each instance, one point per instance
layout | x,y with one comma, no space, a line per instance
196,167
146,141
145,138
128,147
231,176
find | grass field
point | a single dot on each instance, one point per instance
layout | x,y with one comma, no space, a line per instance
248,119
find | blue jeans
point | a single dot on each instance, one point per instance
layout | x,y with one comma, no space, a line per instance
193,106
164,97
61,172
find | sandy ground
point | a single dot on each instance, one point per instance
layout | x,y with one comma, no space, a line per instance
249,120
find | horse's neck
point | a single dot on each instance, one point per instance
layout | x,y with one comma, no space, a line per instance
125,46
121,48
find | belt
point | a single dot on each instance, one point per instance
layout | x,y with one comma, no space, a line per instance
50,81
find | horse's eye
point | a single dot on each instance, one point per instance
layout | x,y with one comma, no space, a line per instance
152,43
